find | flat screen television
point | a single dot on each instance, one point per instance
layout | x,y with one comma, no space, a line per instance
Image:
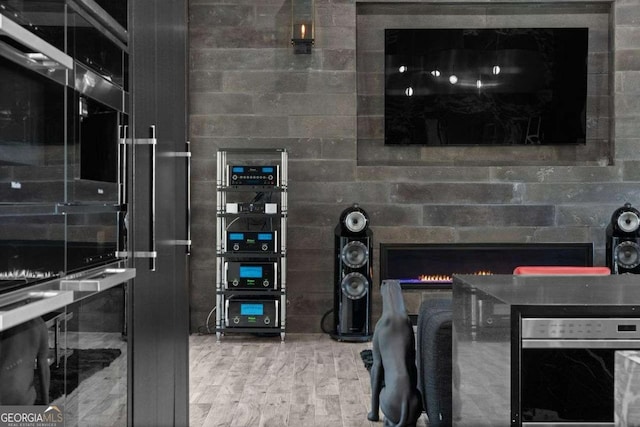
504,86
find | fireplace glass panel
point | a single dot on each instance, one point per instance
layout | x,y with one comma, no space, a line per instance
36,247
93,239
31,248
433,265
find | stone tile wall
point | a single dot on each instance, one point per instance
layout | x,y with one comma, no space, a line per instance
248,89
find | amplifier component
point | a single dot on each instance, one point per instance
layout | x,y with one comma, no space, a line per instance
260,208
253,175
252,313
252,241
251,275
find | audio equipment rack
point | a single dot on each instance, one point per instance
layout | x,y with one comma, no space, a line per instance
251,241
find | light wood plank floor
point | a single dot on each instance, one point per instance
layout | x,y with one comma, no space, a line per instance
307,380
101,399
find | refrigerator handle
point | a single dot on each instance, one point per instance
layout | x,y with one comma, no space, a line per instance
151,253
187,154
123,131
152,195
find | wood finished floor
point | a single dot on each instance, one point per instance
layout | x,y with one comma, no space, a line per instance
307,380
100,400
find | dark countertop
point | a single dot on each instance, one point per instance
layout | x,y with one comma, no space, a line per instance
555,290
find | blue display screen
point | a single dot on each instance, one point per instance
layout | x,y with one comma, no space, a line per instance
237,169
265,236
267,169
236,236
250,272
251,309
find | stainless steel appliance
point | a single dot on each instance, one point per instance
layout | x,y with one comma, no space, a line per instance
63,202
563,367
63,117
71,67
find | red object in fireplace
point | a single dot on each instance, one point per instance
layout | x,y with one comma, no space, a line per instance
561,270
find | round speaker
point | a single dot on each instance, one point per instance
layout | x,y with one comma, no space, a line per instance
354,285
628,222
627,254
353,219
624,221
355,254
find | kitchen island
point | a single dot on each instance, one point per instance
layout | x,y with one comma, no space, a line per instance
540,348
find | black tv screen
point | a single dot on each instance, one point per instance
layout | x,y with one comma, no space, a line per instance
506,86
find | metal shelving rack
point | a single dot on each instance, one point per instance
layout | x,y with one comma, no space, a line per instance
238,216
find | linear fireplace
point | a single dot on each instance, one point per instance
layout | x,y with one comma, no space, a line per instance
432,265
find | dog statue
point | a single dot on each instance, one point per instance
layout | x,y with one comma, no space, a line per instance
394,377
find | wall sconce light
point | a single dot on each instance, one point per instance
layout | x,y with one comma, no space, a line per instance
302,28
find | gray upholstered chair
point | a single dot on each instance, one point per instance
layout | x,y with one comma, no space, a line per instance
434,360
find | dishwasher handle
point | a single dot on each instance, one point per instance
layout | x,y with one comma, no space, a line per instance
621,344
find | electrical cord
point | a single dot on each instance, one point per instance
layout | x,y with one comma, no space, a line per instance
324,316
229,225
206,325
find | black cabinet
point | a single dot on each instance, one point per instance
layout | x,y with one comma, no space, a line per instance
159,215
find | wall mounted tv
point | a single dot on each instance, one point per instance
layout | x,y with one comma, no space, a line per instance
505,86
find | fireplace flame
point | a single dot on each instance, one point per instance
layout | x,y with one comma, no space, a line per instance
434,278
444,278
25,274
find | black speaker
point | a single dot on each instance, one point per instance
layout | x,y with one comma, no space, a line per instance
623,241
353,276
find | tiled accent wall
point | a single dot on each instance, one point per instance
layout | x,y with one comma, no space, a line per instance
248,89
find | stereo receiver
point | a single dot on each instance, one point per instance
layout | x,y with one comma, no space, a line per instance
251,275
251,241
252,313
253,175
248,208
